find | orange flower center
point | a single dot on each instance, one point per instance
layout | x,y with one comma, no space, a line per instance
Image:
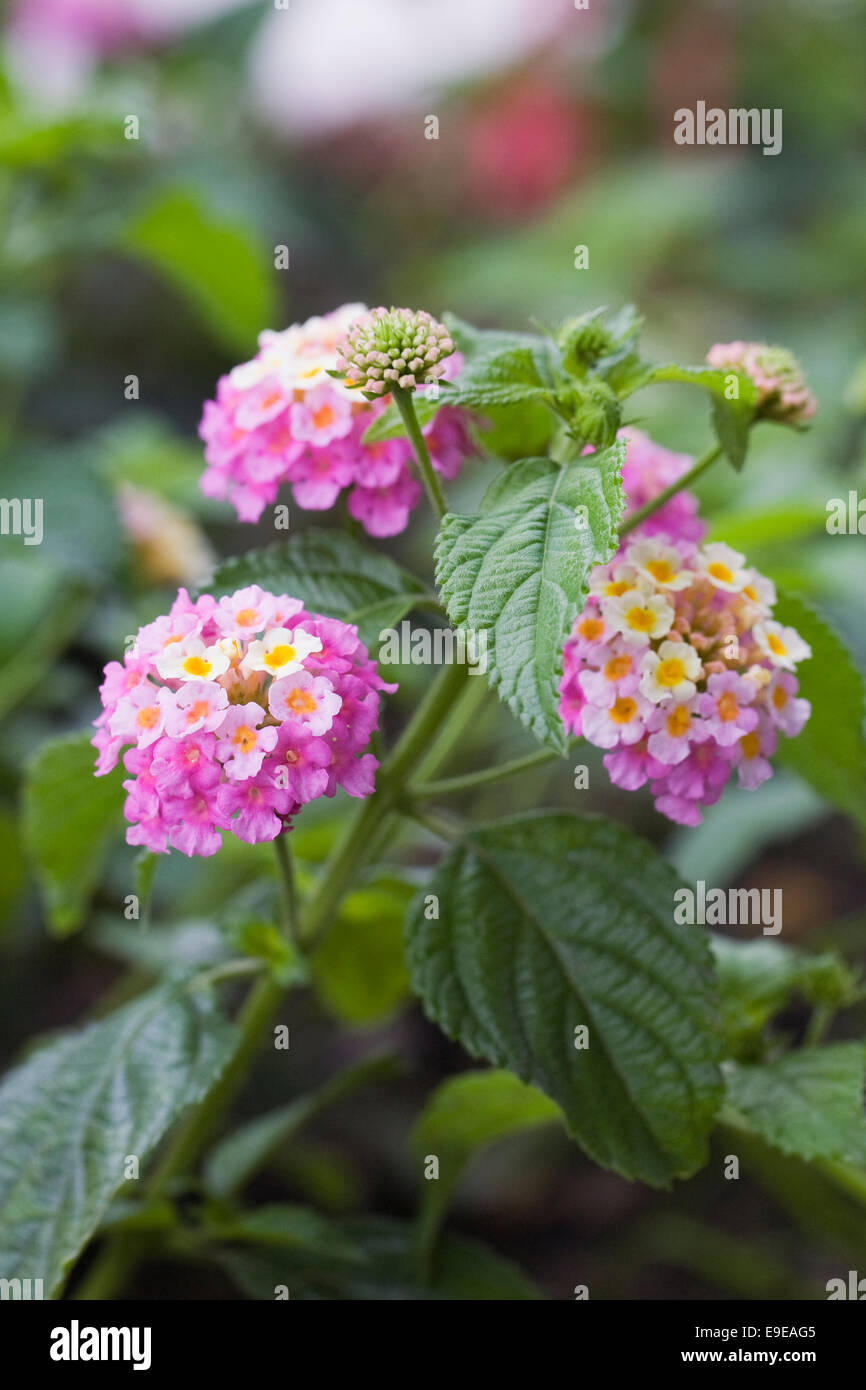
623,710
727,706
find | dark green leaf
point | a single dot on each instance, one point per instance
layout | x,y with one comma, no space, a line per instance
519,571
74,1111
553,922
333,574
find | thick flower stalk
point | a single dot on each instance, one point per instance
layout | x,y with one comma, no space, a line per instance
677,669
281,418
236,712
782,391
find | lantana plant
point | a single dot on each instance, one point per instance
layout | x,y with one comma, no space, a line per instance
548,944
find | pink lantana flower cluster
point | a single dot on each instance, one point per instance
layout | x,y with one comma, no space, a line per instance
782,391
281,418
239,711
677,669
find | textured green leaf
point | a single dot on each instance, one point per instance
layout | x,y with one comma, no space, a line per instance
757,979
808,1103
359,970
73,1111
830,752
551,922
519,573
217,264
69,817
334,574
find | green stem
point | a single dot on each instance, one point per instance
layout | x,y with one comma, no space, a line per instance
289,888
427,791
406,407
667,493
353,848
821,1018
114,1265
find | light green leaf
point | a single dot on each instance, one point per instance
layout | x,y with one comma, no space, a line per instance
463,1116
830,751
808,1103
69,816
333,574
519,572
217,264
359,970
476,1108
757,979
550,923
73,1111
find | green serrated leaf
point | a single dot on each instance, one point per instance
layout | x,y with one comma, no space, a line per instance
519,572
808,1103
71,1114
333,573
830,751
552,922
69,815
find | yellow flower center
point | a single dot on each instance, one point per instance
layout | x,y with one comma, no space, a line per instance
590,629
751,593
247,617
199,709
776,645
721,572
615,588
670,672
678,722
148,717
751,745
780,697
245,738
279,656
641,619
623,710
617,667
661,571
196,666
301,701
727,706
